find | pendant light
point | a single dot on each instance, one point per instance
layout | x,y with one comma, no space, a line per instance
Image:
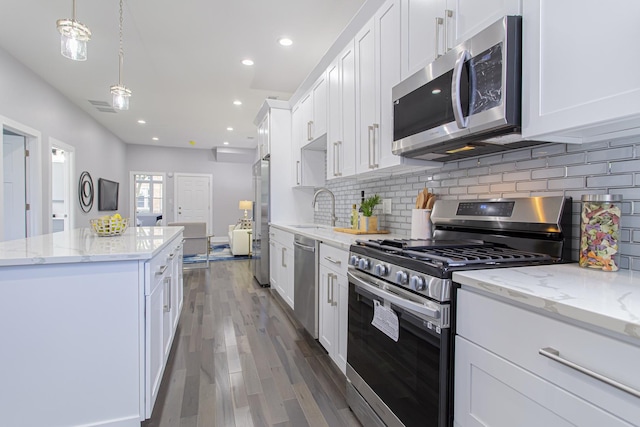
120,93
73,37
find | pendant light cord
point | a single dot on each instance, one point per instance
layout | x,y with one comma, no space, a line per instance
74,11
121,52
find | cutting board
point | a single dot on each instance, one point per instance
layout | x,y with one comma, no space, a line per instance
352,231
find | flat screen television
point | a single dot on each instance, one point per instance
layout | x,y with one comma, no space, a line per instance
107,195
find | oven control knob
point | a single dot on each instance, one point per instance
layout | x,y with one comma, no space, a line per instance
381,270
354,260
417,283
401,277
364,264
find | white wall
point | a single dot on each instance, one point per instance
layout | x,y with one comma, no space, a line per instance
27,99
232,182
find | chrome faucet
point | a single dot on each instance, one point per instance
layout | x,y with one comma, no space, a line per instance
333,203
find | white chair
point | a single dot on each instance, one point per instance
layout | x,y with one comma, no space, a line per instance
196,239
239,240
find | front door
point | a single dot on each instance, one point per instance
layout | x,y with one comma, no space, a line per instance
14,169
193,199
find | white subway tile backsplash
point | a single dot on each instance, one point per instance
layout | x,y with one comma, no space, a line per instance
549,170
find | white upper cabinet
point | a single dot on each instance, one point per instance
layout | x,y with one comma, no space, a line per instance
580,74
264,144
423,33
296,137
307,160
366,117
314,112
341,115
473,16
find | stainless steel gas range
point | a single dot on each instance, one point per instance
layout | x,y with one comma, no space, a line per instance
402,301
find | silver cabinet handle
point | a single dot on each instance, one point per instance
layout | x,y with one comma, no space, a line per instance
283,254
448,14
456,99
554,354
334,261
370,131
310,125
162,270
335,156
167,294
298,172
171,256
333,285
338,158
328,288
439,22
374,165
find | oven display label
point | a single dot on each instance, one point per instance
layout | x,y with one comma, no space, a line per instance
386,320
485,208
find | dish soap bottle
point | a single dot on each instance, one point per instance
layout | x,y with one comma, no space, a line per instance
354,218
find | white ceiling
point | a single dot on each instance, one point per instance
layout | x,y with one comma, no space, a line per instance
182,60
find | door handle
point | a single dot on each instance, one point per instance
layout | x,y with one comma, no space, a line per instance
448,14
439,22
456,101
298,172
373,146
283,254
328,288
335,155
333,285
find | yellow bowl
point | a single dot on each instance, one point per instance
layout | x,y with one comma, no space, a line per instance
109,226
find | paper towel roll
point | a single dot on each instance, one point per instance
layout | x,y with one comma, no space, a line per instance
421,227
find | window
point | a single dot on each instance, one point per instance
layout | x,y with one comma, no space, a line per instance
149,194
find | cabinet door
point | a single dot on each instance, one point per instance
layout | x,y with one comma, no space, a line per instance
493,392
154,348
319,118
471,16
296,144
306,109
176,282
578,77
334,121
365,97
387,32
263,137
167,321
347,147
326,321
287,275
341,315
422,37
274,258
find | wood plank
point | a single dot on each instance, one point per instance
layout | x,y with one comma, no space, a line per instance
275,405
309,406
207,400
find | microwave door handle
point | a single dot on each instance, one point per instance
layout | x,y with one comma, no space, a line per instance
456,102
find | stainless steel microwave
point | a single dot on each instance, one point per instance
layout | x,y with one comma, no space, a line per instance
466,102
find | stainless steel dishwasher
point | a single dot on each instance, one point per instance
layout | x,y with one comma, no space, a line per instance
305,289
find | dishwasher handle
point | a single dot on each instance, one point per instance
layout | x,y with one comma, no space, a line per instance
304,247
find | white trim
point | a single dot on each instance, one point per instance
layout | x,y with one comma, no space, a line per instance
33,142
71,168
132,193
175,196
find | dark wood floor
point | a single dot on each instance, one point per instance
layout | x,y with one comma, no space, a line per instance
239,359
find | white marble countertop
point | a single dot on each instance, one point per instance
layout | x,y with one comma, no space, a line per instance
608,300
82,245
328,235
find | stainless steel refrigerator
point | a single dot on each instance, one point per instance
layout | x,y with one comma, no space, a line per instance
261,217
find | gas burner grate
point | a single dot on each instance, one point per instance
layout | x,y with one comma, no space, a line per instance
482,255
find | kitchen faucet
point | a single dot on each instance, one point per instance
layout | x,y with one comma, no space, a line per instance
333,203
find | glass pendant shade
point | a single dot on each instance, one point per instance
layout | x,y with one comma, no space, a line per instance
73,39
121,97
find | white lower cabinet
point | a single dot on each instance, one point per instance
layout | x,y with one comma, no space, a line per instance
503,380
281,271
333,300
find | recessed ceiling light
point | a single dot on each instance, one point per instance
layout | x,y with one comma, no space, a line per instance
142,121
237,102
155,138
229,128
284,41
247,62
226,143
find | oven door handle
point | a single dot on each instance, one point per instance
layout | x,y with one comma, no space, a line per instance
422,309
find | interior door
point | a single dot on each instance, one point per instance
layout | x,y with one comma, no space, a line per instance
61,173
193,199
14,182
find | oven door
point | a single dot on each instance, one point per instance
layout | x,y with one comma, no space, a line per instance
405,382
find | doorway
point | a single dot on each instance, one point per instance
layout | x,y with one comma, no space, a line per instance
29,208
62,173
193,198
148,206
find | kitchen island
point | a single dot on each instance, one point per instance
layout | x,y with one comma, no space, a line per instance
88,323
547,345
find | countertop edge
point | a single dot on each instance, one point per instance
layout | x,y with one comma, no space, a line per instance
326,234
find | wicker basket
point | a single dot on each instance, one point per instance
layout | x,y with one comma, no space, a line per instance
109,226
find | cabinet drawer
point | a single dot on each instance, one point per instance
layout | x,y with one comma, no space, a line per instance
334,258
281,236
159,266
517,335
